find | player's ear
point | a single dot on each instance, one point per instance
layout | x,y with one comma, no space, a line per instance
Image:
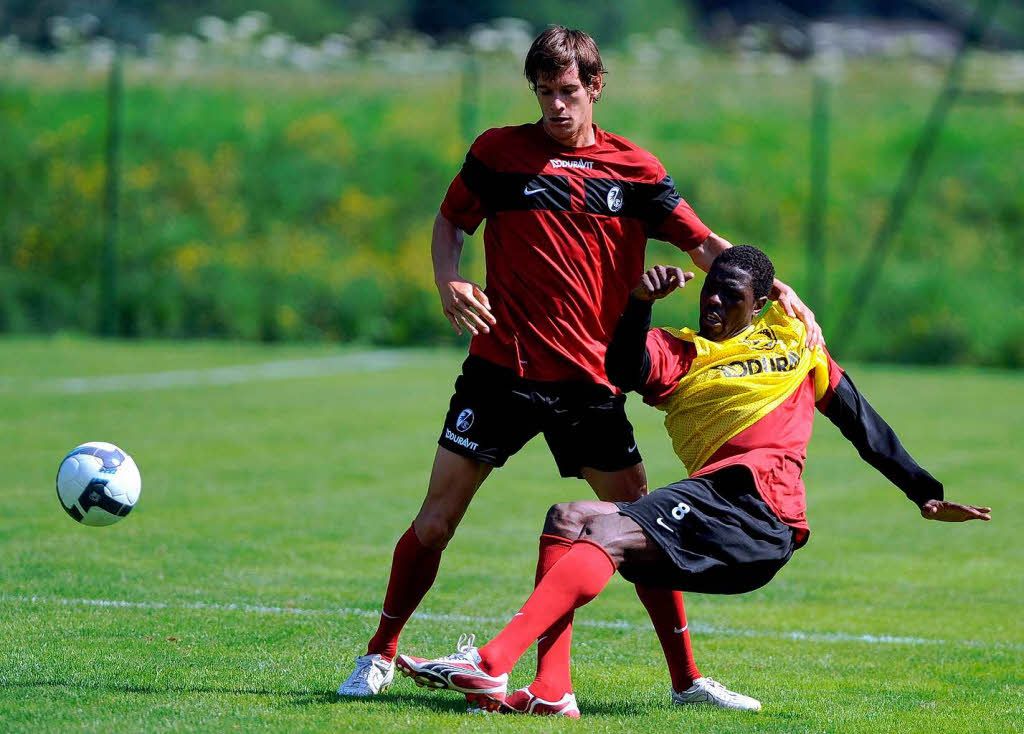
596,86
760,303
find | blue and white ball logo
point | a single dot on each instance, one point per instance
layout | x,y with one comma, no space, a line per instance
615,198
98,483
464,421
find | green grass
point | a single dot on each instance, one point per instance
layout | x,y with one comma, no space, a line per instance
292,493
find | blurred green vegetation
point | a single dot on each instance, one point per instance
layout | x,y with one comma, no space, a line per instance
278,205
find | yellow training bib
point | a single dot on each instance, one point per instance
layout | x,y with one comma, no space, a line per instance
734,383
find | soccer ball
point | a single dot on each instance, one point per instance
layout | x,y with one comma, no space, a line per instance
98,483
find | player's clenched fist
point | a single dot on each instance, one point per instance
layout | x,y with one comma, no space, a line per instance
659,281
466,306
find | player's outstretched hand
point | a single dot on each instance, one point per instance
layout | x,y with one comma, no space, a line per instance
794,307
953,512
466,306
659,281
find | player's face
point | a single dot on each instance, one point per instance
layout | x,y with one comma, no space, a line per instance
567,106
727,303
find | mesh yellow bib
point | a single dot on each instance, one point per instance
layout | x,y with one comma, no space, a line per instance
734,383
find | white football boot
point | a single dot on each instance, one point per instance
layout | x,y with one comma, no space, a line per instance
459,672
711,692
373,675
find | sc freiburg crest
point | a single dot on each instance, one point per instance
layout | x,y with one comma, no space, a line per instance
763,340
465,421
614,198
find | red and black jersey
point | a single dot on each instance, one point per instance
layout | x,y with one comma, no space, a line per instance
564,242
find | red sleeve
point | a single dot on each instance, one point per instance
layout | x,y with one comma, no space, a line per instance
683,227
462,207
835,374
670,361
669,217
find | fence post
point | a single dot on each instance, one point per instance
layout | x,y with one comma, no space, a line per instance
469,98
108,293
870,271
817,266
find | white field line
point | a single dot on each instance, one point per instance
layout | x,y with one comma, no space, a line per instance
697,627
214,376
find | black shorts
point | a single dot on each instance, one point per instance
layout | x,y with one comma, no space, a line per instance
493,413
718,535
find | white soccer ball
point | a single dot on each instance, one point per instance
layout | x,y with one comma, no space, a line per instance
98,483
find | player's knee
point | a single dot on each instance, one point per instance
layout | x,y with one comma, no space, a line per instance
605,531
433,530
564,520
597,529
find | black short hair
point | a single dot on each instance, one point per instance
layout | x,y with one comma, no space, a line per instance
751,260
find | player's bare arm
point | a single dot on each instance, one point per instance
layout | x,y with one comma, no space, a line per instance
464,303
786,297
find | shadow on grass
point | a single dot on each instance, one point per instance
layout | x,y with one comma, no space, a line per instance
436,701
441,703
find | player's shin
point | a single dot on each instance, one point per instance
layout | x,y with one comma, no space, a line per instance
413,570
575,580
668,615
553,678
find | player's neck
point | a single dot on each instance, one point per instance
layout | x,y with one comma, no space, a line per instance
582,138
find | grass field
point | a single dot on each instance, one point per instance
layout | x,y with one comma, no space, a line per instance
250,572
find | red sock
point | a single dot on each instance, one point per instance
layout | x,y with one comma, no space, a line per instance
669,618
576,579
553,679
413,570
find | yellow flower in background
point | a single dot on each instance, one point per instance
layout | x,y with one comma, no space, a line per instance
27,249
321,135
356,213
51,141
189,258
287,318
141,178
413,259
254,118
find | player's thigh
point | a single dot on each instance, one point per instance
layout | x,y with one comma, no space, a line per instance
622,537
590,436
624,485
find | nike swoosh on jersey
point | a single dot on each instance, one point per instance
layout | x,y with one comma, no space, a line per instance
530,192
662,523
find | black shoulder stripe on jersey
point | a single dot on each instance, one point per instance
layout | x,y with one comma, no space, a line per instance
543,192
475,175
661,201
650,203
508,191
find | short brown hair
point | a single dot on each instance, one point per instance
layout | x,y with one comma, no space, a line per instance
559,48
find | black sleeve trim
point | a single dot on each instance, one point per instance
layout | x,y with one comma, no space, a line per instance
476,176
662,202
627,361
878,444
